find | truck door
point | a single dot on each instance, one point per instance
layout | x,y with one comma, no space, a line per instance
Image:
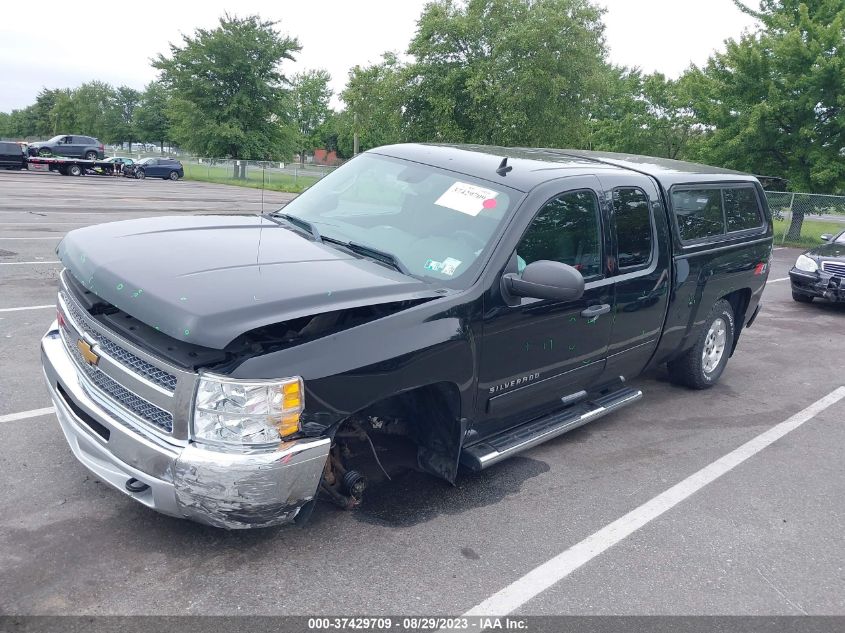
640,235
535,353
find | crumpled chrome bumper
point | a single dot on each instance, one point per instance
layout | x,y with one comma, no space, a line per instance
817,284
228,490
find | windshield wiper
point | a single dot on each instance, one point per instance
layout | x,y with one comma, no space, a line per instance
305,225
373,253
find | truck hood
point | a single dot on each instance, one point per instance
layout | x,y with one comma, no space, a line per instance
208,279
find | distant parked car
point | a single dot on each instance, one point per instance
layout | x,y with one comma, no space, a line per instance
12,156
72,146
167,168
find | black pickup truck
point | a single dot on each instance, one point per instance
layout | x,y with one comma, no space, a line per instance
424,306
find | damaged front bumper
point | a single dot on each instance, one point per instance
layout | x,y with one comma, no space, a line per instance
817,284
178,478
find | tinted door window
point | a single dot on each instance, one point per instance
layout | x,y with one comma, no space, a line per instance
632,213
741,209
565,230
699,213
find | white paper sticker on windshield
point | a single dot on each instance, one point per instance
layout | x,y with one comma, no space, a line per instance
449,266
469,199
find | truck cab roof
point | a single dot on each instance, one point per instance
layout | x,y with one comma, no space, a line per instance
534,166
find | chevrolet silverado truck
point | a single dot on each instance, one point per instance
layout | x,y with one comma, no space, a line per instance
423,307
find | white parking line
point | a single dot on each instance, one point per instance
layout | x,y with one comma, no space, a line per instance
551,572
773,281
52,305
26,263
23,415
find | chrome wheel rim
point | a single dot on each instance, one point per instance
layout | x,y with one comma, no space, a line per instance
714,345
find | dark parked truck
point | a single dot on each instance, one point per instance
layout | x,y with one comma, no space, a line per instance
426,307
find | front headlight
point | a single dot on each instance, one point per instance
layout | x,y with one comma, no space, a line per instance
246,413
807,264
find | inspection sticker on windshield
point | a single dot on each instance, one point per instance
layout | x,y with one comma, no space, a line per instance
447,267
466,198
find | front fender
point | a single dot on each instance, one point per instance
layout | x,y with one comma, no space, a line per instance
350,370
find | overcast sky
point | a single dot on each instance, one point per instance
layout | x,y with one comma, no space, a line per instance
55,44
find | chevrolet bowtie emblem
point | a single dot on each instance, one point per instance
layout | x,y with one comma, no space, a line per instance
87,353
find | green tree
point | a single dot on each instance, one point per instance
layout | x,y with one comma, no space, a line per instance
509,72
773,100
95,109
127,101
151,118
641,114
228,91
22,123
310,95
375,97
63,113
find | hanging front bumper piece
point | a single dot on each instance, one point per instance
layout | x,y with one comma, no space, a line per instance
820,283
175,476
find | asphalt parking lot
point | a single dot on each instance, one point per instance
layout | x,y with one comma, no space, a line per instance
765,537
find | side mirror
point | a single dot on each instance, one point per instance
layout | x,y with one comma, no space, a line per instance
826,237
545,279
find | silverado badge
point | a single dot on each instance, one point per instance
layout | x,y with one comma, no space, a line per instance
87,353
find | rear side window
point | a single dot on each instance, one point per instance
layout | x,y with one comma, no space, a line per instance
632,214
741,209
565,230
699,213
707,212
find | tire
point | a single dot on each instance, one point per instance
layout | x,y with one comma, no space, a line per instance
74,170
174,175
702,365
90,155
44,152
801,298
139,174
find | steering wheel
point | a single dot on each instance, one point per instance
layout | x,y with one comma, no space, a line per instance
469,237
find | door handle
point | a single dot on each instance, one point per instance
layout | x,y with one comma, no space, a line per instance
595,311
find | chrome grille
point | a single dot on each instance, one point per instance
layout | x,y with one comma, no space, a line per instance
137,405
121,355
836,268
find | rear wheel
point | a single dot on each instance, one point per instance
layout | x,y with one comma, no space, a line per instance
801,298
44,152
701,366
174,175
90,155
74,170
140,175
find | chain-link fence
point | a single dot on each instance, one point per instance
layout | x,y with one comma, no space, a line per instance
801,218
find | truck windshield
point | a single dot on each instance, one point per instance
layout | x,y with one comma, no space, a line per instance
436,223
